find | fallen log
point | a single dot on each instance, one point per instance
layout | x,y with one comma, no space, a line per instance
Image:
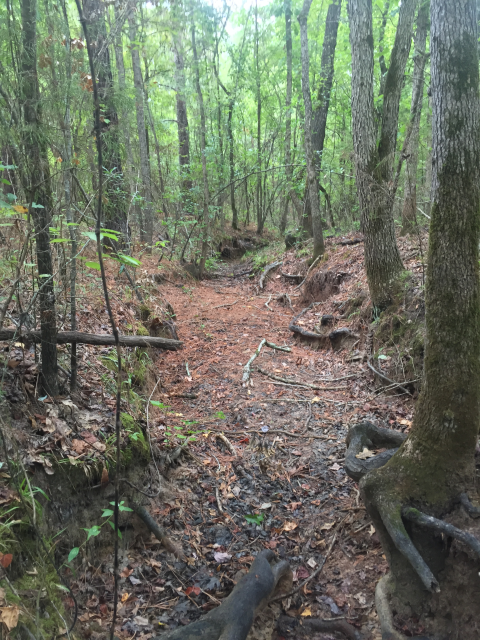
67,337
233,619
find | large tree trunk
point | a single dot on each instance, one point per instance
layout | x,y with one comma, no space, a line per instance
114,206
318,243
288,113
203,149
231,159
374,168
437,460
409,212
38,190
142,137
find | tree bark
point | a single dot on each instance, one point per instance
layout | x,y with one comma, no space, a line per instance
436,462
203,150
142,137
260,218
114,206
318,243
288,113
38,190
182,116
409,212
231,160
382,258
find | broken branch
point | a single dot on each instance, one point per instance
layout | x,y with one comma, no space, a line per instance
266,271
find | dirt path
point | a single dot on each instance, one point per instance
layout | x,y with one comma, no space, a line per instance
277,483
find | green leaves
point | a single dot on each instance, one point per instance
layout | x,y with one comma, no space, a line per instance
73,554
255,518
92,532
93,265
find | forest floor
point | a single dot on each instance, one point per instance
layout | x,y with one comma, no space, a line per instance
274,479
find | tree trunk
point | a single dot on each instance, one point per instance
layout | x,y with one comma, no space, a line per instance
130,168
318,244
182,117
409,212
288,113
142,137
114,206
260,219
38,190
382,258
325,82
437,460
203,149
232,165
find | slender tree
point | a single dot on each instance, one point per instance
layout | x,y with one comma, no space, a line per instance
318,243
409,212
141,131
182,116
36,172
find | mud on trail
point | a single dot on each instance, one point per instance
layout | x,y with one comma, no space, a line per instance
260,465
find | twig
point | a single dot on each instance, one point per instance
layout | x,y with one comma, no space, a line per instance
295,383
266,303
158,531
309,416
310,577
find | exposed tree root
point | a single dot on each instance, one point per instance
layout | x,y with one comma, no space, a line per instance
414,515
309,627
266,271
158,531
385,614
233,619
384,378
367,435
472,511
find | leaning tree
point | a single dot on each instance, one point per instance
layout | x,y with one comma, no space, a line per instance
411,497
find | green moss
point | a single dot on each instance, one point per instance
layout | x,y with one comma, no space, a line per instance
142,331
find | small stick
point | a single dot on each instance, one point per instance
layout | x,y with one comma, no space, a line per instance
274,346
219,504
225,440
295,383
247,368
313,575
230,304
309,416
266,303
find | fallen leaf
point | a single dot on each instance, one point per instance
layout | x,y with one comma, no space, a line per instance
289,526
365,454
327,526
306,612
126,572
195,590
104,480
9,616
335,467
221,557
266,505
6,559
125,597
312,563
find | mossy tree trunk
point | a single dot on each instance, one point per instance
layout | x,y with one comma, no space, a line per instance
374,166
436,462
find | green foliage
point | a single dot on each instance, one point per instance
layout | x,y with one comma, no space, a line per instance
256,518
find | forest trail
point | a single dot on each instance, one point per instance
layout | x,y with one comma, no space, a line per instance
266,466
